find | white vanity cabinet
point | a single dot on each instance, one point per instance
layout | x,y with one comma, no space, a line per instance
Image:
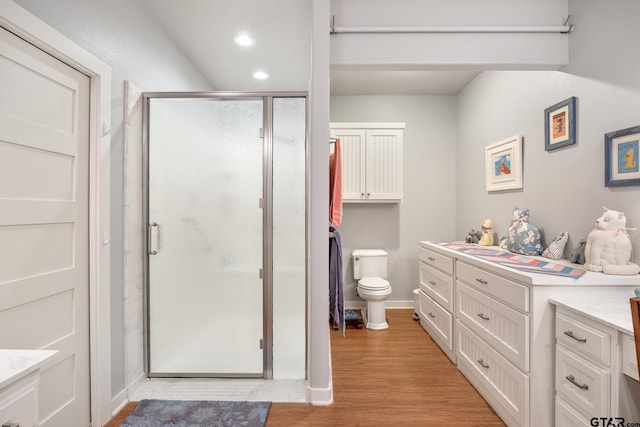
19,402
500,327
372,164
19,385
436,298
493,339
592,357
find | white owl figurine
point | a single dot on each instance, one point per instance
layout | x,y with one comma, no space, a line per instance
608,246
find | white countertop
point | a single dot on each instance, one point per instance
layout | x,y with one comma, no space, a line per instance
15,364
590,278
614,312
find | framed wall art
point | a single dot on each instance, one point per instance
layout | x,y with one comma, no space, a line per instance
560,124
621,157
503,164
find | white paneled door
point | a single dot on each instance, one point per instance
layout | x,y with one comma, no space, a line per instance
44,210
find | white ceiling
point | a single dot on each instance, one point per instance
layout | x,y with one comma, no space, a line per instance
204,31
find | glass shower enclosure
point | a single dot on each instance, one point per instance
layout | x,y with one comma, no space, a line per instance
226,275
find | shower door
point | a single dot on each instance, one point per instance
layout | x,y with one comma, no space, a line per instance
205,237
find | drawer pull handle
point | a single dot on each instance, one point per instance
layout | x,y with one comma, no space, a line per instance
431,259
482,316
572,380
570,335
432,283
433,316
481,363
484,282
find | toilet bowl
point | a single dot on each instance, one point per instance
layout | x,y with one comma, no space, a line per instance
370,270
375,291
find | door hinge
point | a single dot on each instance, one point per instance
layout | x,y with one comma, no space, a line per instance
261,132
261,273
261,344
261,203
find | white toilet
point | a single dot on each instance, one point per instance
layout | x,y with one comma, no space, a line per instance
370,270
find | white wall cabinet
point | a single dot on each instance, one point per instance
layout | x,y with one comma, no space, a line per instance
497,325
372,165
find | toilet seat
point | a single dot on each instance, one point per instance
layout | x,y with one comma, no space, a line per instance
373,283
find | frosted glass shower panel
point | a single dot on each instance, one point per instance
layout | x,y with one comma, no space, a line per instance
289,284
205,182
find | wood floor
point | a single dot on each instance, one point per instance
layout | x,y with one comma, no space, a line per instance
396,377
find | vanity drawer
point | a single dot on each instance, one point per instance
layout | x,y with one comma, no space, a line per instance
582,384
437,285
19,401
503,289
629,360
566,416
584,338
504,328
504,386
438,322
441,262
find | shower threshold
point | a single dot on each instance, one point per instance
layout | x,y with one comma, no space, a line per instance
293,391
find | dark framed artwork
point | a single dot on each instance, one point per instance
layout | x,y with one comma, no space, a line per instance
622,157
560,124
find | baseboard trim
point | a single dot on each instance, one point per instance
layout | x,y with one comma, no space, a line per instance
121,399
135,384
320,396
388,304
118,402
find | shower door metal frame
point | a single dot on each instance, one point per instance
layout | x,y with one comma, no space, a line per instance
267,217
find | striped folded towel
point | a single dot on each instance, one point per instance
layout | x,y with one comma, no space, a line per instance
556,248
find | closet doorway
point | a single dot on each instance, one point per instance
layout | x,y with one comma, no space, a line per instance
221,180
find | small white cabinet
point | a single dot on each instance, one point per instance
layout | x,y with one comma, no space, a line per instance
371,161
436,299
19,385
592,356
19,402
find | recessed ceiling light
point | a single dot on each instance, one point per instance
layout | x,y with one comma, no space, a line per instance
244,40
260,75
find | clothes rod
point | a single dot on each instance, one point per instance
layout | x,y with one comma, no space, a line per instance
437,30
563,29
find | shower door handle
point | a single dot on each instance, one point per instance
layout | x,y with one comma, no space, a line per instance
153,237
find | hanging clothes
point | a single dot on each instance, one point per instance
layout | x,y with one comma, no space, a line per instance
335,185
336,294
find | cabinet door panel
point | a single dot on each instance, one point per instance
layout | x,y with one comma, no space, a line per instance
352,144
384,164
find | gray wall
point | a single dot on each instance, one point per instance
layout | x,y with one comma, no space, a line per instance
428,208
123,35
564,189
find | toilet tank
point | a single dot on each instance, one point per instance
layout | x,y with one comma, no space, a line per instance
369,263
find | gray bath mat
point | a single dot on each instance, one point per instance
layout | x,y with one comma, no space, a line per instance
197,413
